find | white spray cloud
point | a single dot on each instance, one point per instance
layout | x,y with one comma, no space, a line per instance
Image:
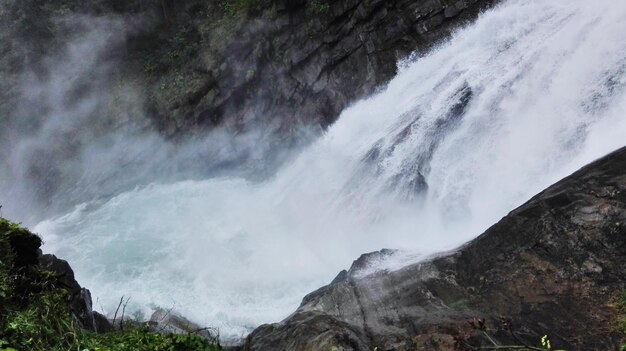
530,92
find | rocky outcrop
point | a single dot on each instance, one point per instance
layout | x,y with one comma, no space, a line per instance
553,266
25,272
80,298
280,64
42,307
293,62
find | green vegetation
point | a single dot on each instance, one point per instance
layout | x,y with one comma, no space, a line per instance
621,304
233,8
35,313
317,7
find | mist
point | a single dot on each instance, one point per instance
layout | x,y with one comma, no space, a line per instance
461,136
79,130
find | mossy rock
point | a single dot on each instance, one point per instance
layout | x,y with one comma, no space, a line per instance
35,313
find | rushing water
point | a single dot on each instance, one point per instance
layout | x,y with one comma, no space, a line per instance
527,94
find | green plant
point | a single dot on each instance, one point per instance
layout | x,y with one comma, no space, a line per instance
35,312
317,7
141,339
233,8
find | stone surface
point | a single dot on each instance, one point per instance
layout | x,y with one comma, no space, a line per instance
554,266
80,304
292,64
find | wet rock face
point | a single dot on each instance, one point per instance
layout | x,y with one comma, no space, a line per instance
297,62
80,303
554,266
279,63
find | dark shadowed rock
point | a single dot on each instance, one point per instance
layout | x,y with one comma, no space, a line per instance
554,266
293,62
310,330
81,304
102,323
64,272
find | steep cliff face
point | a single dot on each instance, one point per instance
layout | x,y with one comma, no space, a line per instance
281,63
25,272
293,62
553,266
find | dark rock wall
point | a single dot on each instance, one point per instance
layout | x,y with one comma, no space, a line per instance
25,272
80,298
554,266
295,63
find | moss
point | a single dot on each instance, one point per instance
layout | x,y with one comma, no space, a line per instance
317,7
621,305
35,313
234,8
178,88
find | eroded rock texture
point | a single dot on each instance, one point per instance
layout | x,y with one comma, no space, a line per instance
556,266
277,65
81,304
298,62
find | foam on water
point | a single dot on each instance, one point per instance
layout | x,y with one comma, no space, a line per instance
530,92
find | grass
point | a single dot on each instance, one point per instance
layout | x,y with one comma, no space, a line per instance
35,313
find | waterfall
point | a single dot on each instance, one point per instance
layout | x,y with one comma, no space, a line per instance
527,94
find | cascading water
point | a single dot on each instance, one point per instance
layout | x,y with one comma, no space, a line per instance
530,92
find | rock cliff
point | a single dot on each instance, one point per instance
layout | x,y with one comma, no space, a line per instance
25,272
294,62
250,79
280,64
553,266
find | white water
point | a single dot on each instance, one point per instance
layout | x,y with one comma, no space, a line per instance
547,96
